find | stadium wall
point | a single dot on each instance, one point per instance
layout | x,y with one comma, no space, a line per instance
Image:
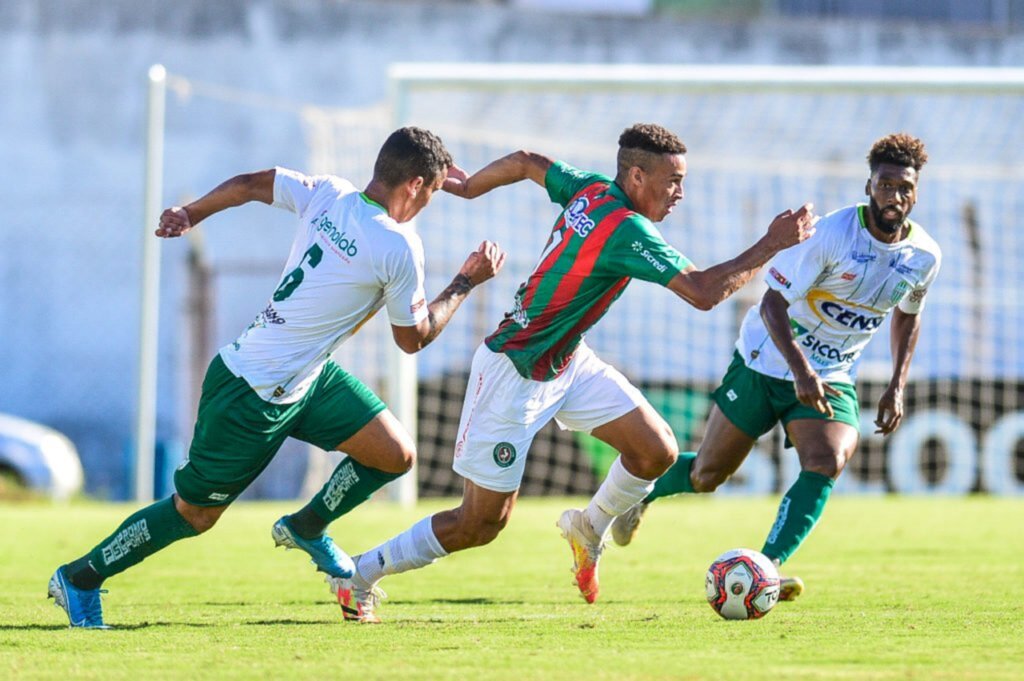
71,136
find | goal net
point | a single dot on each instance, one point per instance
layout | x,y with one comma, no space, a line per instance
760,139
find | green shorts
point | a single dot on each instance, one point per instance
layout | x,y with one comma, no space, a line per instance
755,402
237,433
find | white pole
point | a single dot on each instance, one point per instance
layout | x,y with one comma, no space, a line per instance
149,312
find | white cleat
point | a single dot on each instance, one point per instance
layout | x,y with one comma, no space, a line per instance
625,526
586,551
358,600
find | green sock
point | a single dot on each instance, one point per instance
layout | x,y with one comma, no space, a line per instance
142,534
676,480
350,484
798,514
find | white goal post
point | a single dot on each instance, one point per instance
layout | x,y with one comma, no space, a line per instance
761,139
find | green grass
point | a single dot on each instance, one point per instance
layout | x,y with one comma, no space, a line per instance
896,589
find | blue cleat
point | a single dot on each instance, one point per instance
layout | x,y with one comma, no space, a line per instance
82,606
325,553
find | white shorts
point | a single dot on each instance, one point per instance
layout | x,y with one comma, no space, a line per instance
503,411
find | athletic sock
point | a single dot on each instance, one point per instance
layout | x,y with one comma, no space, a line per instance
415,548
799,512
676,480
619,491
142,534
350,484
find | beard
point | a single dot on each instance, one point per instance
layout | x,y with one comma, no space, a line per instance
887,226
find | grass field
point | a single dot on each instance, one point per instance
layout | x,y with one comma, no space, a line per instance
897,589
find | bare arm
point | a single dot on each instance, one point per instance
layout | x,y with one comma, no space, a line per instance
481,265
258,186
903,334
706,288
517,166
810,389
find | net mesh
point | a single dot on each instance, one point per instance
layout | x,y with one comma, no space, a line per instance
751,154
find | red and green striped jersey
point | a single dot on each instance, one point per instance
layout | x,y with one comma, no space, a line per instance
598,245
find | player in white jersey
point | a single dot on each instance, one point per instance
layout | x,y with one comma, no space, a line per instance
797,354
351,256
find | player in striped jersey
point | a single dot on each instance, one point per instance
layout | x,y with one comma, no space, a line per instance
536,366
797,354
351,256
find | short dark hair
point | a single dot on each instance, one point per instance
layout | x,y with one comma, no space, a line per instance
411,152
899,149
640,141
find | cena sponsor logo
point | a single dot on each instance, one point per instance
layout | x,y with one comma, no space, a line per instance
850,319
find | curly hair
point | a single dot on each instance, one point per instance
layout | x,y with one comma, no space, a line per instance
411,152
899,149
642,141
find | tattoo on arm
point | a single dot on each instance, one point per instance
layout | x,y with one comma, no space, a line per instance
441,310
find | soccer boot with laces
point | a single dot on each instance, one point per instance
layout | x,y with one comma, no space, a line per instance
325,553
626,526
790,588
83,606
586,551
359,600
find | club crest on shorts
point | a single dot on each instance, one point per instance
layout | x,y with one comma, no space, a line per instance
504,454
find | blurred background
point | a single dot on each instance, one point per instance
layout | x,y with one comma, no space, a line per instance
316,85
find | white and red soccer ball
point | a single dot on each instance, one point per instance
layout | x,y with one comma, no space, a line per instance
742,585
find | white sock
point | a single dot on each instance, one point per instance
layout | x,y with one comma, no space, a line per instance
415,548
619,491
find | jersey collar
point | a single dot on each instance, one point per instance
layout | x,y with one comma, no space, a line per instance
862,216
368,200
620,193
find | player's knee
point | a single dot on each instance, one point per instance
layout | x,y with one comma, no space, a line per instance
705,480
651,461
480,531
830,465
400,459
201,518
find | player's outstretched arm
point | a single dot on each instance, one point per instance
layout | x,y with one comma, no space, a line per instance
258,186
810,389
706,288
517,166
903,334
482,264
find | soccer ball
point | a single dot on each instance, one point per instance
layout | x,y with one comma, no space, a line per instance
742,585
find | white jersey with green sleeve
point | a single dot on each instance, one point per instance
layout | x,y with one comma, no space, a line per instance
348,259
840,284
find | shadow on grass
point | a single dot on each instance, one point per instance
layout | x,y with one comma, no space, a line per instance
156,625
458,601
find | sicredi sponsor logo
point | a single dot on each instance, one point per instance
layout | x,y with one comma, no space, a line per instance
826,355
576,216
649,257
341,240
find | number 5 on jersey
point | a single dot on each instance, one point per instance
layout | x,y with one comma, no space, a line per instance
295,277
